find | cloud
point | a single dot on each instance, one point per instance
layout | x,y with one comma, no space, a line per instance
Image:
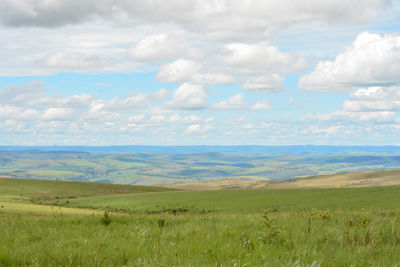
21,94
194,128
261,105
266,83
260,58
372,60
184,70
178,71
133,101
263,66
215,16
58,114
188,96
233,102
33,94
66,60
375,98
157,47
213,78
327,131
198,128
18,113
352,117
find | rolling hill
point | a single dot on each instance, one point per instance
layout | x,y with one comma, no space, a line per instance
352,179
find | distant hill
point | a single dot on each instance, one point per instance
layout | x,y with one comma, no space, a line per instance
352,179
190,164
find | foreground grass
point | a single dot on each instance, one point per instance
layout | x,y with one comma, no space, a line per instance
327,227
271,239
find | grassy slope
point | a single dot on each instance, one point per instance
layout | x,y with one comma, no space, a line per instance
248,201
331,227
42,190
353,179
24,196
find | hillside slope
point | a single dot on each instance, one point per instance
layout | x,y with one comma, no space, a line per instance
352,179
43,190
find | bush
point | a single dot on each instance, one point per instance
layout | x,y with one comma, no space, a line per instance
106,219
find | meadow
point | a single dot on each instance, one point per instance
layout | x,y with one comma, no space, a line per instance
102,225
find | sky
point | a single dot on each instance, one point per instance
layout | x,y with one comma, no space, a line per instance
199,72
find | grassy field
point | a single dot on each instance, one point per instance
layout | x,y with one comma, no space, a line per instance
341,180
155,227
42,190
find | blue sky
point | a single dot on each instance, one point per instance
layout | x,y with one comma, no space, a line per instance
199,72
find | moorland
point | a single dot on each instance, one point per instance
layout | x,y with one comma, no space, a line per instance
213,206
56,223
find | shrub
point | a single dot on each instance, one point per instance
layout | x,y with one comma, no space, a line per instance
106,219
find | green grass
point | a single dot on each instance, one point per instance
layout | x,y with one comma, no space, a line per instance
327,227
42,190
250,201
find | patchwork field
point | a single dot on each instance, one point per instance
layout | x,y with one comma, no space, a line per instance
51,223
166,165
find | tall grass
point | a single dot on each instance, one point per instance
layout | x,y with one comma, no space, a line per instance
336,227
262,239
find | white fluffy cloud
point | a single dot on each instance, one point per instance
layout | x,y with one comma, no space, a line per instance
260,58
178,71
347,116
267,83
233,102
372,60
263,66
136,100
22,94
65,60
157,47
184,70
58,114
188,96
374,99
261,105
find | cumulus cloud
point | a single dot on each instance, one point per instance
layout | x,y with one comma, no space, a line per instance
261,57
21,94
58,114
178,71
375,98
212,15
267,83
18,113
262,65
198,128
157,47
348,116
184,70
136,100
193,128
372,60
188,96
67,60
261,105
327,131
233,102
33,94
